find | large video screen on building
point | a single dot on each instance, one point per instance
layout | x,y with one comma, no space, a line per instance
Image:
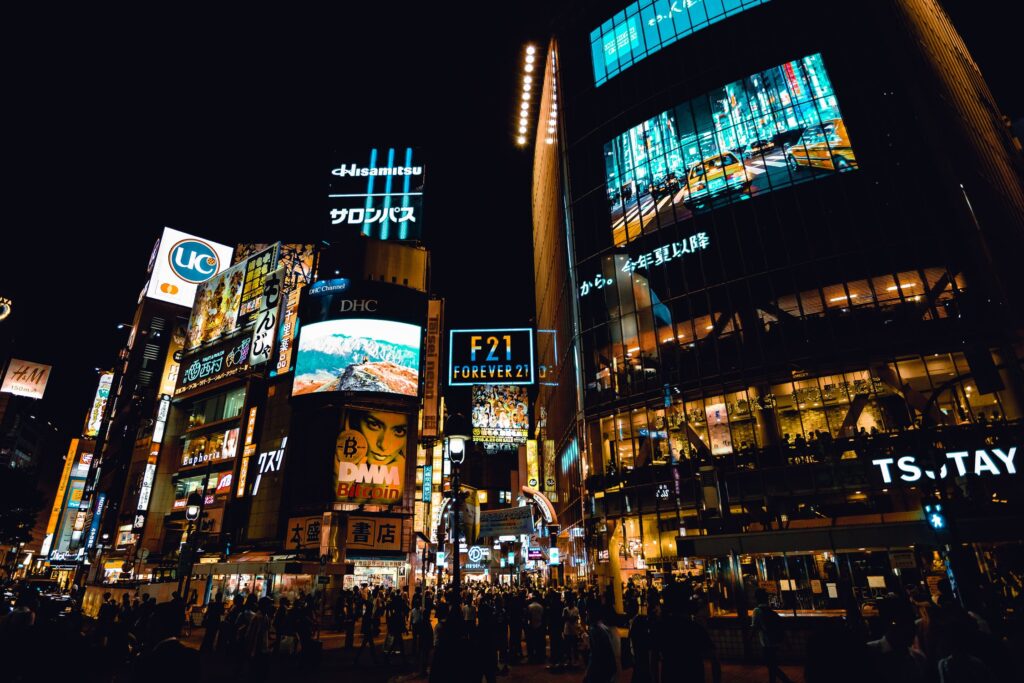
360,336
645,26
501,414
770,130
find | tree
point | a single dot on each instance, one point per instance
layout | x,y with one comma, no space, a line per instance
20,503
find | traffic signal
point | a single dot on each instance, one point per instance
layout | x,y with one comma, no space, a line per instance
935,516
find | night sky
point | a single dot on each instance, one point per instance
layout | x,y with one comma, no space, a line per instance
222,128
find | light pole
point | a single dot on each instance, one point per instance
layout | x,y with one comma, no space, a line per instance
193,508
457,432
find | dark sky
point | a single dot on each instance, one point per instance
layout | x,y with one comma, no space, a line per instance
221,127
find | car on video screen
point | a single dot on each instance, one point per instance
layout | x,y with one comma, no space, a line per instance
823,146
715,176
669,184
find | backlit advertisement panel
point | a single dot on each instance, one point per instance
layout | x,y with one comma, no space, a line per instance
380,194
169,377
182,262
646,26
219,362
500,356
229,301
296,260
363,337
25,378
99,404
770,130
501,414
369,457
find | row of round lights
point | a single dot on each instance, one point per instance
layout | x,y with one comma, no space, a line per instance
524,101
553,114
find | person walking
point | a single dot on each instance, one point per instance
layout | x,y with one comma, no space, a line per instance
767,624
602,666
369,629
211,621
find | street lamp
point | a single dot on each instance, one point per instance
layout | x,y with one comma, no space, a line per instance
193,509
457,431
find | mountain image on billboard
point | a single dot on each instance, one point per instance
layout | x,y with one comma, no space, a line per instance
362,355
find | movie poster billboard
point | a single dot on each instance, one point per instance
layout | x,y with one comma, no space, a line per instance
379,193
360,337
231,300
501,414
369,457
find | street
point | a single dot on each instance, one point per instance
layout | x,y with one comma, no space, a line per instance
338,664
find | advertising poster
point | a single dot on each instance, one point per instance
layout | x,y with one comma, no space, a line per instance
719,436
172,366
25,378
772,129
182,262
502,356
369,457
501,414
99,404
506,522
267,321
361,337
229,301
379,193
221,361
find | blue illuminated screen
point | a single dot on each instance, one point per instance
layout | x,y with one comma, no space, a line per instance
646,26
770,130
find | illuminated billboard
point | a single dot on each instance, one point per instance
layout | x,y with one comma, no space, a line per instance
380,194
369,457
230,300
502,356
360,336
25,378
181,263
645,26
770,130
99,404
501,414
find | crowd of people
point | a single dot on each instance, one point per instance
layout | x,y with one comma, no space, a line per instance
481,631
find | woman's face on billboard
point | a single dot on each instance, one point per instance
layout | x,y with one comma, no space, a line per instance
385,435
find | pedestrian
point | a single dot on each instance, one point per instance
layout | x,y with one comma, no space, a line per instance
602,666
168,657
767,624
211,621
369,629
571,629
535,630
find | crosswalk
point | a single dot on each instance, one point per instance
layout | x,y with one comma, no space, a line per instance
629,225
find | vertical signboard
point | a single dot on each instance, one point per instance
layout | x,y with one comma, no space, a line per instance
431,369
99,404
58,500
266,322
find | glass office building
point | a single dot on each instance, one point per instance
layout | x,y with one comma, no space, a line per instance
791,314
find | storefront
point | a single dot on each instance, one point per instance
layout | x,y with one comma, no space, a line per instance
262,575
374,572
